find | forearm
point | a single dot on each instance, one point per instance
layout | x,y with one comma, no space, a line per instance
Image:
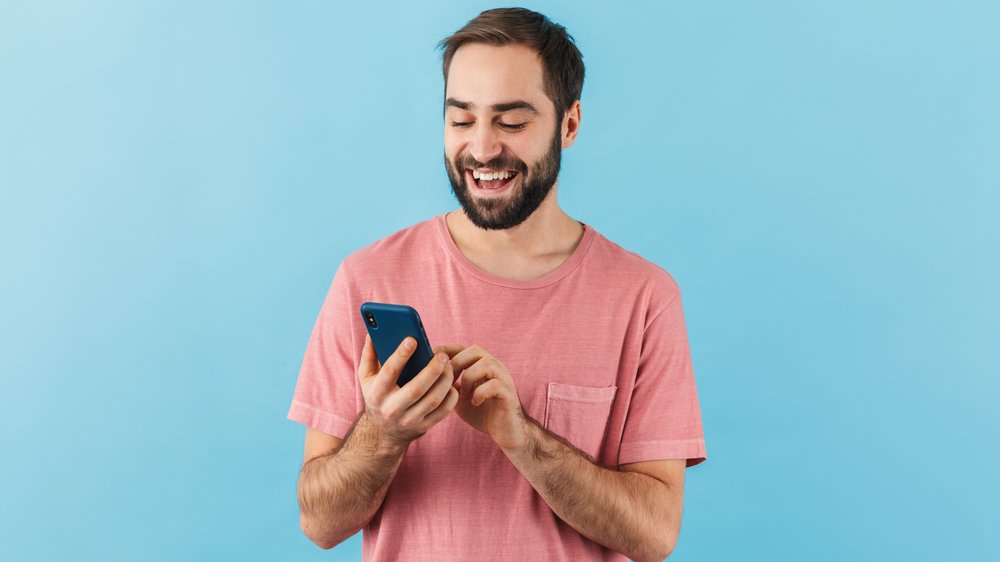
340,492
627,512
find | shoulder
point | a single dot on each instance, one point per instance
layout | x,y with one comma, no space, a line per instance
391,252
623,268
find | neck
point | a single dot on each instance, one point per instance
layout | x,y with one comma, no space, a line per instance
548,231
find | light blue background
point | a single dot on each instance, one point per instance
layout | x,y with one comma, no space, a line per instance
181,179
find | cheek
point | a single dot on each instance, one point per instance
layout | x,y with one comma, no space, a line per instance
452,144
529,150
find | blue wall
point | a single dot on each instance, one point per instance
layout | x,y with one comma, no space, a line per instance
181,179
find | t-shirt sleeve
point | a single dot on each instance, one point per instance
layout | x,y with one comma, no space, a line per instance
327,396
664,418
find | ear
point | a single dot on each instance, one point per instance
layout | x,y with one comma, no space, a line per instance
571,124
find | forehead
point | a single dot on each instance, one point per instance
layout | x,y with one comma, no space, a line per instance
485,75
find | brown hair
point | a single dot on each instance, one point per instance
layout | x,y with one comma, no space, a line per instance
562,62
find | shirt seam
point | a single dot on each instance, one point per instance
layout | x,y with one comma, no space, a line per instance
465,267
321,410
661,311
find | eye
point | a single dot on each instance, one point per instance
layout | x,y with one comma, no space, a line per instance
460,124
513,126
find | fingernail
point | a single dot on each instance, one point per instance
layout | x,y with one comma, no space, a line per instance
443,357
408,343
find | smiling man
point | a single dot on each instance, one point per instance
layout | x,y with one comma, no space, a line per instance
560,423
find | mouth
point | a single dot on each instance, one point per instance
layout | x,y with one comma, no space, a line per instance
491,182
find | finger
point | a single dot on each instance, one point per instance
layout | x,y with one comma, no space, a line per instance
451,349
369,362
445,408
433,397
487,390
386,380
414,390
473,377
467,357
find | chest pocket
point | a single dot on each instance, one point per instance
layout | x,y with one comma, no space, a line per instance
579,414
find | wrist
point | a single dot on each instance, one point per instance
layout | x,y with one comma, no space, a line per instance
533,442
377,439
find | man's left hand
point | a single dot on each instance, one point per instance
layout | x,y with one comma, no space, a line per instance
488,399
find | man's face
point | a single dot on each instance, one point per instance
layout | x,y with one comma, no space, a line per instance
502,145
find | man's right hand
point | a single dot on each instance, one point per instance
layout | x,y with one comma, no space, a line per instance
403,414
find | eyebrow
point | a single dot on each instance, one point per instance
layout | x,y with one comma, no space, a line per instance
497,107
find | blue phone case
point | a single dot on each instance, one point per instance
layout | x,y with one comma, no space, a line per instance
388,325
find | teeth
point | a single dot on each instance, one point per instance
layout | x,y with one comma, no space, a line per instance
501,175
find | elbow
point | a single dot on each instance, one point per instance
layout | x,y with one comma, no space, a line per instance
323,544
659,551
317,535
666,551
667,546
651,556
319,529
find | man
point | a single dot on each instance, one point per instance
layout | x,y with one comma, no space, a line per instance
560,427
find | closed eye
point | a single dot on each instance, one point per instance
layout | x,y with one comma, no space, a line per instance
507,126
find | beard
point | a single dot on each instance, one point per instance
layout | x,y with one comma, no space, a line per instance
501,213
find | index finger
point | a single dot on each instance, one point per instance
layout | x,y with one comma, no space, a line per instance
452,349
466,357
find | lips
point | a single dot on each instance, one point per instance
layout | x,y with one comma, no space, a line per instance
490,187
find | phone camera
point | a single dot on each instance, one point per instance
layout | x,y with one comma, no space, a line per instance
371,320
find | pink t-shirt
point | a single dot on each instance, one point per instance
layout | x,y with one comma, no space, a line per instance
597,348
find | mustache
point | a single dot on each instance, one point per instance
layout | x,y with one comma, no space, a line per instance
501,162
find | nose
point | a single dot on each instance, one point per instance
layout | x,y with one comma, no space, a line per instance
485,144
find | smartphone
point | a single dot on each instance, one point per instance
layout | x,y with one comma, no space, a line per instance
389,325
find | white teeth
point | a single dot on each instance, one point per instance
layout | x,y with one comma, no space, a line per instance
502,175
